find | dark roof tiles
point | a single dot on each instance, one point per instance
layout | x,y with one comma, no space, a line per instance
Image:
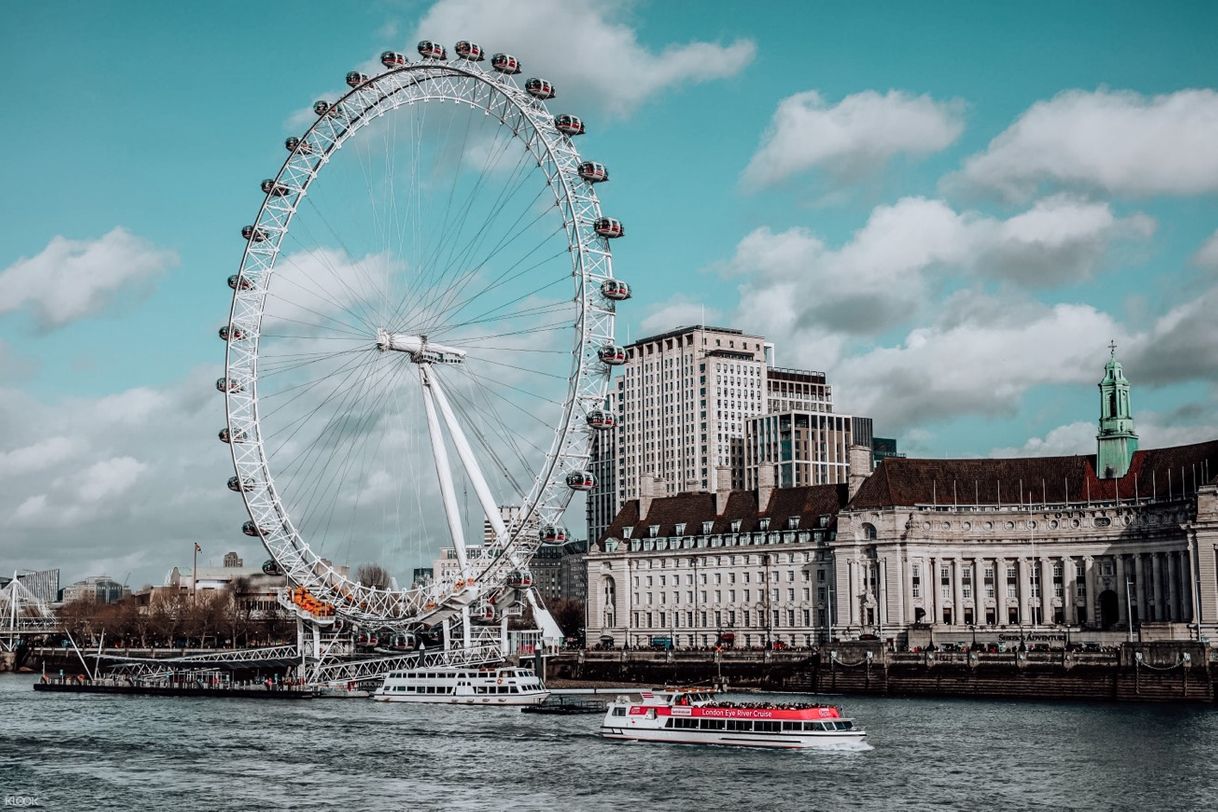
1054,480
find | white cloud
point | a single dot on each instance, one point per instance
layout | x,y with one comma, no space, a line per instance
860,133
1119,142
1072,438
71,279
675,313
802,293
594,59
1154,431
1207,254
109,478
38,456
979,357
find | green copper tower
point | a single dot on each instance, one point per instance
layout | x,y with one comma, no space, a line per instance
1116,440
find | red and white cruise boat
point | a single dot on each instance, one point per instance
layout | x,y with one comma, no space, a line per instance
696,717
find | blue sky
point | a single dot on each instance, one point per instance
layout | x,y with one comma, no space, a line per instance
950,207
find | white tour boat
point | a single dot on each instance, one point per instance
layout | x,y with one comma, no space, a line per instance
450,686
696,717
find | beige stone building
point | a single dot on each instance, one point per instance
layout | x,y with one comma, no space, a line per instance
1078,548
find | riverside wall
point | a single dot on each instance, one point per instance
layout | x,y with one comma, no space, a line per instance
1140,672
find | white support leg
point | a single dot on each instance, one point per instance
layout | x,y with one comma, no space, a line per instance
503,641
447,634
443,471
465,642
489,507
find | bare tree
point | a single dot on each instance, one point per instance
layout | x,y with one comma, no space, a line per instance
373,575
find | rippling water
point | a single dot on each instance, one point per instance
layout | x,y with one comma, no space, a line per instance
73,752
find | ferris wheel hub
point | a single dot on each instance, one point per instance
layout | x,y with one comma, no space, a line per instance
420,350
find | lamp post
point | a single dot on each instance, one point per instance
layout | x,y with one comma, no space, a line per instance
972,628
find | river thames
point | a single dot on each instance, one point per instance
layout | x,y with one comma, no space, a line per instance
78,751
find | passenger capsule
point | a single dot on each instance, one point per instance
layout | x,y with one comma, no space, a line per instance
294,144
470,51
270,187
321,107
615,289
432,50
593,172
612,354
392,59
355,79
488,613
505,63
251,529
609,228
581,481
234,281
227,385
237,485
554,534
271,567
518,579
600,419
539,89
569,125
235,437
253,234
232,333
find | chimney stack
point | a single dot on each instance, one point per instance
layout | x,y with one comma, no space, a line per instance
765,486
860,467
647,492
723,488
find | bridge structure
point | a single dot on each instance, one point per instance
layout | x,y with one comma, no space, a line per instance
23,615
319,658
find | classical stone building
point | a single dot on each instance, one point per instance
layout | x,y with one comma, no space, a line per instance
1073,548
1121,542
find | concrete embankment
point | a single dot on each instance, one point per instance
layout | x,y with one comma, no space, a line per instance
1141,672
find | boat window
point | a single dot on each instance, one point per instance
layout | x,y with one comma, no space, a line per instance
710,724
792,726
669,722
845,725
619,711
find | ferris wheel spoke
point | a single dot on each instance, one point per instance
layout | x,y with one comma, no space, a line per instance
486,317
305,465
466,341
318,507
444,258
317,291
510,236
459,285
302,360
340,379
504,279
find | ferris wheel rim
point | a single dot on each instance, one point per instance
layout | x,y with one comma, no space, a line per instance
287,546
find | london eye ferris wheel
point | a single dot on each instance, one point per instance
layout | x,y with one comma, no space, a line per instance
421,332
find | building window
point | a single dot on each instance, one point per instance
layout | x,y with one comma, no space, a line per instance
916,585
989,583
1012,582
869,531
681,529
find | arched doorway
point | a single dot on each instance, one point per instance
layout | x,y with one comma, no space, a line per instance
1108,609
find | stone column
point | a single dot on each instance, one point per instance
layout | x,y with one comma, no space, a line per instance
957,592
1173,590
1157,575
1186,587
1068,590
1122,608
1089,583
932,591
1025,591
1000,590
978,592
1139,592
1047,593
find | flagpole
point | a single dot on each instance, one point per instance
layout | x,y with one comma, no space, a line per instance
194,576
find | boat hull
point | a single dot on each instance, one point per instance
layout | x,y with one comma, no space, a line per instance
500,700
728,738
